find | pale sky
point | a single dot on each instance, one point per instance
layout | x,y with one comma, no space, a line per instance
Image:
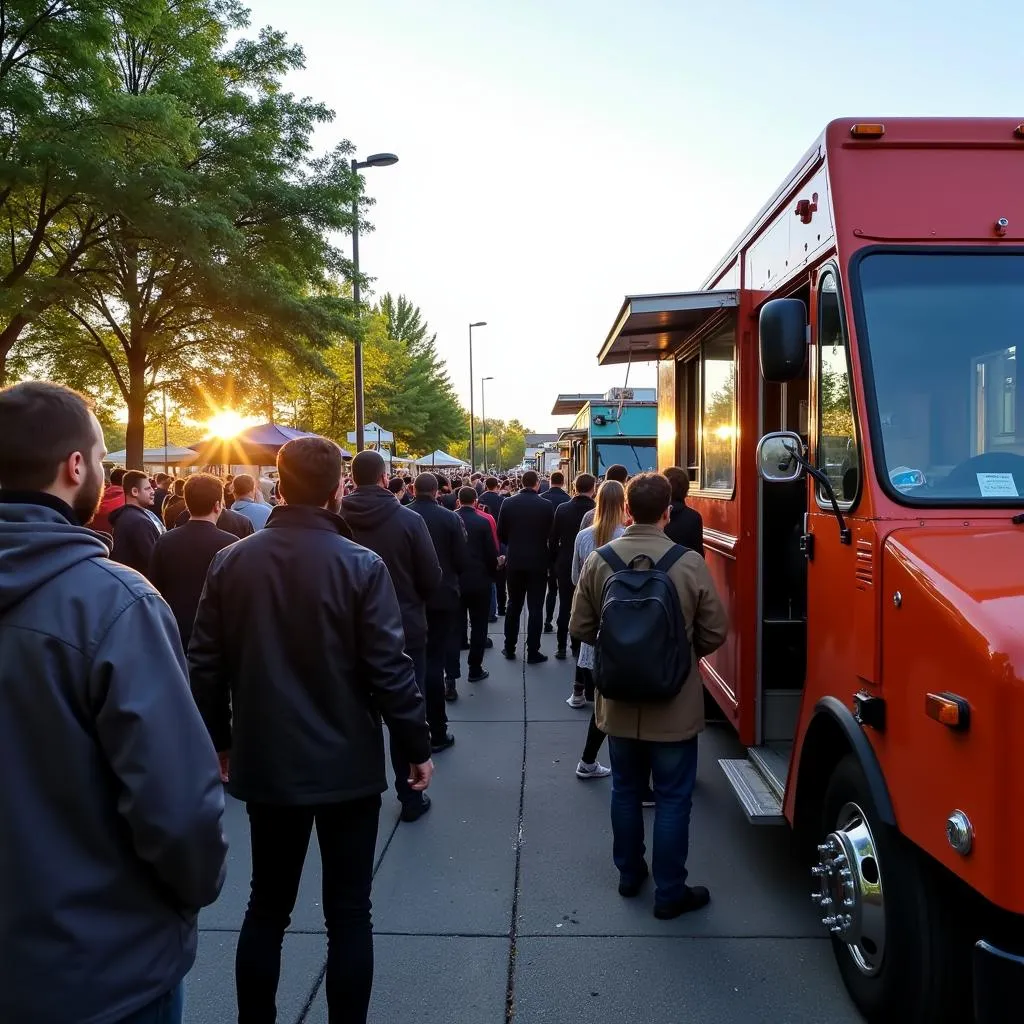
556,156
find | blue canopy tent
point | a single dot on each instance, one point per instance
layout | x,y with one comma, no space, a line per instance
254,446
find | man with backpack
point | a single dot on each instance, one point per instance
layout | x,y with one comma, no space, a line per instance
651,611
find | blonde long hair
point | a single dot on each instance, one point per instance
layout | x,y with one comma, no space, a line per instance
611,511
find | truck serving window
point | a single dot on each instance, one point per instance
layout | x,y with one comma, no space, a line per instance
636,456
941,331
718,413
838,452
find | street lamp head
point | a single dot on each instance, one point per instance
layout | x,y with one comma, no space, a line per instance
479,323
380,160
486,378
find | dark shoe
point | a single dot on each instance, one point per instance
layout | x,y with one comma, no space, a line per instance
465,645
536,658
647,800
695,897
444,744
501,612
413,810
451,694
560,654
510,654
478,677
548,627
631,889
493,619
488,644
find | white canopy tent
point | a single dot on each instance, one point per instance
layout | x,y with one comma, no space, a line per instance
440,459
172,456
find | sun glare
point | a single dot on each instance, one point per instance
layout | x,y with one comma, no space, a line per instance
226,424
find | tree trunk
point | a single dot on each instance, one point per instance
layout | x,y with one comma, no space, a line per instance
8,336
136,433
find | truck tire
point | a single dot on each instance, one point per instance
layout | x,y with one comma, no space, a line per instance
893,931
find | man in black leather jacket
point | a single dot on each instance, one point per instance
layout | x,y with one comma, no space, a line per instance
296,654
449,538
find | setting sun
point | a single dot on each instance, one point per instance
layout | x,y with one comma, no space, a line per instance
225,424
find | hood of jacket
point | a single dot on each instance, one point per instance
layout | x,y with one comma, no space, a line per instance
113,496
36,544
369,506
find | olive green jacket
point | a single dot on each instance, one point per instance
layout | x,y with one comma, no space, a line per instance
707,625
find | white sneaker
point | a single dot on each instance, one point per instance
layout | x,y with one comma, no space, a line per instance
592,771
577,700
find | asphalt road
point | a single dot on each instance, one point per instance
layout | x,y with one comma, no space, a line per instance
501,903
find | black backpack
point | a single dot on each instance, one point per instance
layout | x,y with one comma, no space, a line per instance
642,654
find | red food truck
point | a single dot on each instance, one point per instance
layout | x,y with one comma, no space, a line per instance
844,393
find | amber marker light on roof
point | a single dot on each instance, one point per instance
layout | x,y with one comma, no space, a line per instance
867,131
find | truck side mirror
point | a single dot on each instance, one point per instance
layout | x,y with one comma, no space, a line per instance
778,459
782,331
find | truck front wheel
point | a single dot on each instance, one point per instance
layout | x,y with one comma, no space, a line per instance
892,933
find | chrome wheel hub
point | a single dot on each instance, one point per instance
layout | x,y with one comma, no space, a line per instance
848,889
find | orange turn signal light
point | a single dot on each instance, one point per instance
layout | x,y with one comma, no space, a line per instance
867,131
948,709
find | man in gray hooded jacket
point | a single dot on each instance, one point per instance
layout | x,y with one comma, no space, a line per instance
111,805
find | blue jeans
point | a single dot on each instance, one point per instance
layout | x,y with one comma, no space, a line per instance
168,1009
673,767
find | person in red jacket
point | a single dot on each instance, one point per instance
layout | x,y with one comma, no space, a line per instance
113,498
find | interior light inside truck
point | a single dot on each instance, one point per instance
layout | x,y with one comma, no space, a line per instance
867,131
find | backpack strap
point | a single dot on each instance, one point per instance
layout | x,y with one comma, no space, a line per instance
617,564
670,557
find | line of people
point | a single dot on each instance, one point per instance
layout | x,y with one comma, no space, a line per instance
269,666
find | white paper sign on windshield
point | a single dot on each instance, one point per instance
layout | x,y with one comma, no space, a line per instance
997,485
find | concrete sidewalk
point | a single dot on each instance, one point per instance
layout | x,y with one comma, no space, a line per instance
501,903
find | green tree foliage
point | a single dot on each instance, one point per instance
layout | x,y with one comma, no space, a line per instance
506,443
226,255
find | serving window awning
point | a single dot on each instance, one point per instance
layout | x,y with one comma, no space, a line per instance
650,325
572,434
570,405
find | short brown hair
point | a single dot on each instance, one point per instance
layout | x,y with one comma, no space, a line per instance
202,492
584,483
367,468
491,483
163,478
648,496
679,480
557,478
178,487
243,484
426,483
309,469
530,479
117,476
41,425
132,479
467,496
617,472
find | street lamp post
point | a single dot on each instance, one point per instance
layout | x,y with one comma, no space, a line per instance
167,466
483,415
472,420
377,160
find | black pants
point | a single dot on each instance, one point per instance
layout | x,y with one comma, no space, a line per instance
525,587
566,591
549,609
441,625
477,606
347,834
398,760
500,583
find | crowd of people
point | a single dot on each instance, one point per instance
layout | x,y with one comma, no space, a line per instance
164,639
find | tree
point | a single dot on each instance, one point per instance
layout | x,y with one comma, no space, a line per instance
70,150
229,255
